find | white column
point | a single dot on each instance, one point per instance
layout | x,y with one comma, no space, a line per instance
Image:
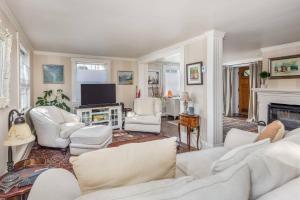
143,79
214,87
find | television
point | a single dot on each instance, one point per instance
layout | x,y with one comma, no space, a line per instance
95,94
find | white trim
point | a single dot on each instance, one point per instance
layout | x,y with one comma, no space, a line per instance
168,50
242,62
282,46
84,56
276,91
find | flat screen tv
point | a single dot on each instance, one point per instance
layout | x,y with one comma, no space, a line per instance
95,94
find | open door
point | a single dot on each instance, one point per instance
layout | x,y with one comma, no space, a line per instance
244,90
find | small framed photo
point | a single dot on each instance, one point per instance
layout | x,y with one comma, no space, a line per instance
125,77
284,67
153,77
194,74
53,74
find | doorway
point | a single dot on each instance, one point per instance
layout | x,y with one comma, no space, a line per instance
243,90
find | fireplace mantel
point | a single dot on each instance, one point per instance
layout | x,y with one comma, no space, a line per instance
265,96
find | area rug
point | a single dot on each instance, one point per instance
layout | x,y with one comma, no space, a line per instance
58,159
239,123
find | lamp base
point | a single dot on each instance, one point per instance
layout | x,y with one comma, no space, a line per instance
10,177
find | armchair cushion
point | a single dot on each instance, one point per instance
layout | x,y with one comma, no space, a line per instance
52,113
150,119
67,129
144,106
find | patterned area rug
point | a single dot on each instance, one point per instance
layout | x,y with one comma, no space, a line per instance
59,159
240,123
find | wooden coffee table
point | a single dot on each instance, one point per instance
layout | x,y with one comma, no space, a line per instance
24,172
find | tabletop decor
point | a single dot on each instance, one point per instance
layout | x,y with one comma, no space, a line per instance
53,74
194,74
19,134
284,67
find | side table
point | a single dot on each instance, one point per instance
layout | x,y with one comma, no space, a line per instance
24,172
190,122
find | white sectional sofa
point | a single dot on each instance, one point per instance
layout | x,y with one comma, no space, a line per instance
260,170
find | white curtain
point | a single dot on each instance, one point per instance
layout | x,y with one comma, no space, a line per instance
228,91
254,82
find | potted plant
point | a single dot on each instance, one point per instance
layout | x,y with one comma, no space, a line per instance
59,99
264,75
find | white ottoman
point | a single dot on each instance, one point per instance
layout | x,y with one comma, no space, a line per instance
90,138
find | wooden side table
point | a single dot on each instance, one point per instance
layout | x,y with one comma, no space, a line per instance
24,168
190,122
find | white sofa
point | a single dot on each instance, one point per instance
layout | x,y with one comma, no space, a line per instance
146,116
269,173
54,126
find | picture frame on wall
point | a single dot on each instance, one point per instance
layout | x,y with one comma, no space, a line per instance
284,67
194,74
53,74
125,77
153,77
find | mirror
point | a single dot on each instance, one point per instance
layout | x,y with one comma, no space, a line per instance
5,49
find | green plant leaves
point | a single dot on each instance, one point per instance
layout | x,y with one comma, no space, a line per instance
51,99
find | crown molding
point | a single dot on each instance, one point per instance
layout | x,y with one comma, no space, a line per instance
72,55
282,46
242,62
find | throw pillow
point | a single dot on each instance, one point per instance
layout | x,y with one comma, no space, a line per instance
232,184
236,137
273,166
126,165
274,131
237,155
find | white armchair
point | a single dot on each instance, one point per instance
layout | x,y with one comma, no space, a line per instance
146,116
54,126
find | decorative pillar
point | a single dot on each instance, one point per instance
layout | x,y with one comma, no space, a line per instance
214,87
143,79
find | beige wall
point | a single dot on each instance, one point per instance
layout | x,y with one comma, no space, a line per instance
125,93
281,83
14,93
196,52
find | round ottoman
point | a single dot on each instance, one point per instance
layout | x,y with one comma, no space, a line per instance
90,138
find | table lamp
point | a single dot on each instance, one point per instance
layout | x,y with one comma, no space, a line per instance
19,133
185,98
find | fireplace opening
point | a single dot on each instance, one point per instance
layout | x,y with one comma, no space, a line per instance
289,115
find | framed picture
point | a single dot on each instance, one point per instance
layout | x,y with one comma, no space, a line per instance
194,75
285,67
53,74
125,77
153,77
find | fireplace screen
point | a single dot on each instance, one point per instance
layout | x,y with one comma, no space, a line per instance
289,115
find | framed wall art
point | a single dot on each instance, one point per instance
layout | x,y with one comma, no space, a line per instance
53,74
125,77
194,74
284,67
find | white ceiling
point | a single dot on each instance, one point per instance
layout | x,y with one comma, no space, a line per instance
132,28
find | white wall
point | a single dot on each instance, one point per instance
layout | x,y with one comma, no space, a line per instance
9,22
125,93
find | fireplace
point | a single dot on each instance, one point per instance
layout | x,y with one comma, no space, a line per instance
289,115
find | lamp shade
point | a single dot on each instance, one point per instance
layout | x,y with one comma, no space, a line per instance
19,134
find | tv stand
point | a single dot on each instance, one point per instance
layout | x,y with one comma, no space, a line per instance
98,105
104,114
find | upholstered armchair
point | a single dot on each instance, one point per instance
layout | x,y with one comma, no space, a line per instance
54,126
146,116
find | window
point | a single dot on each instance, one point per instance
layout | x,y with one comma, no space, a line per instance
171,79
90,73
24,80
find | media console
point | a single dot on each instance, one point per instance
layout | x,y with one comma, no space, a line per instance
103,114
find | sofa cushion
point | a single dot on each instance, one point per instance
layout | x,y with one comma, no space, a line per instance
198,163
67,129
288,191
92,135
236,137
125,165
151,120
237,155
275,131
232,184
292,133
273,166
144,106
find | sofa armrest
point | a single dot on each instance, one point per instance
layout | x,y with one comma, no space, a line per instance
58,184
130,114
236,137
69,117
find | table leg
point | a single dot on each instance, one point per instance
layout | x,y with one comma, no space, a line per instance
179,133
198,136
188,135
